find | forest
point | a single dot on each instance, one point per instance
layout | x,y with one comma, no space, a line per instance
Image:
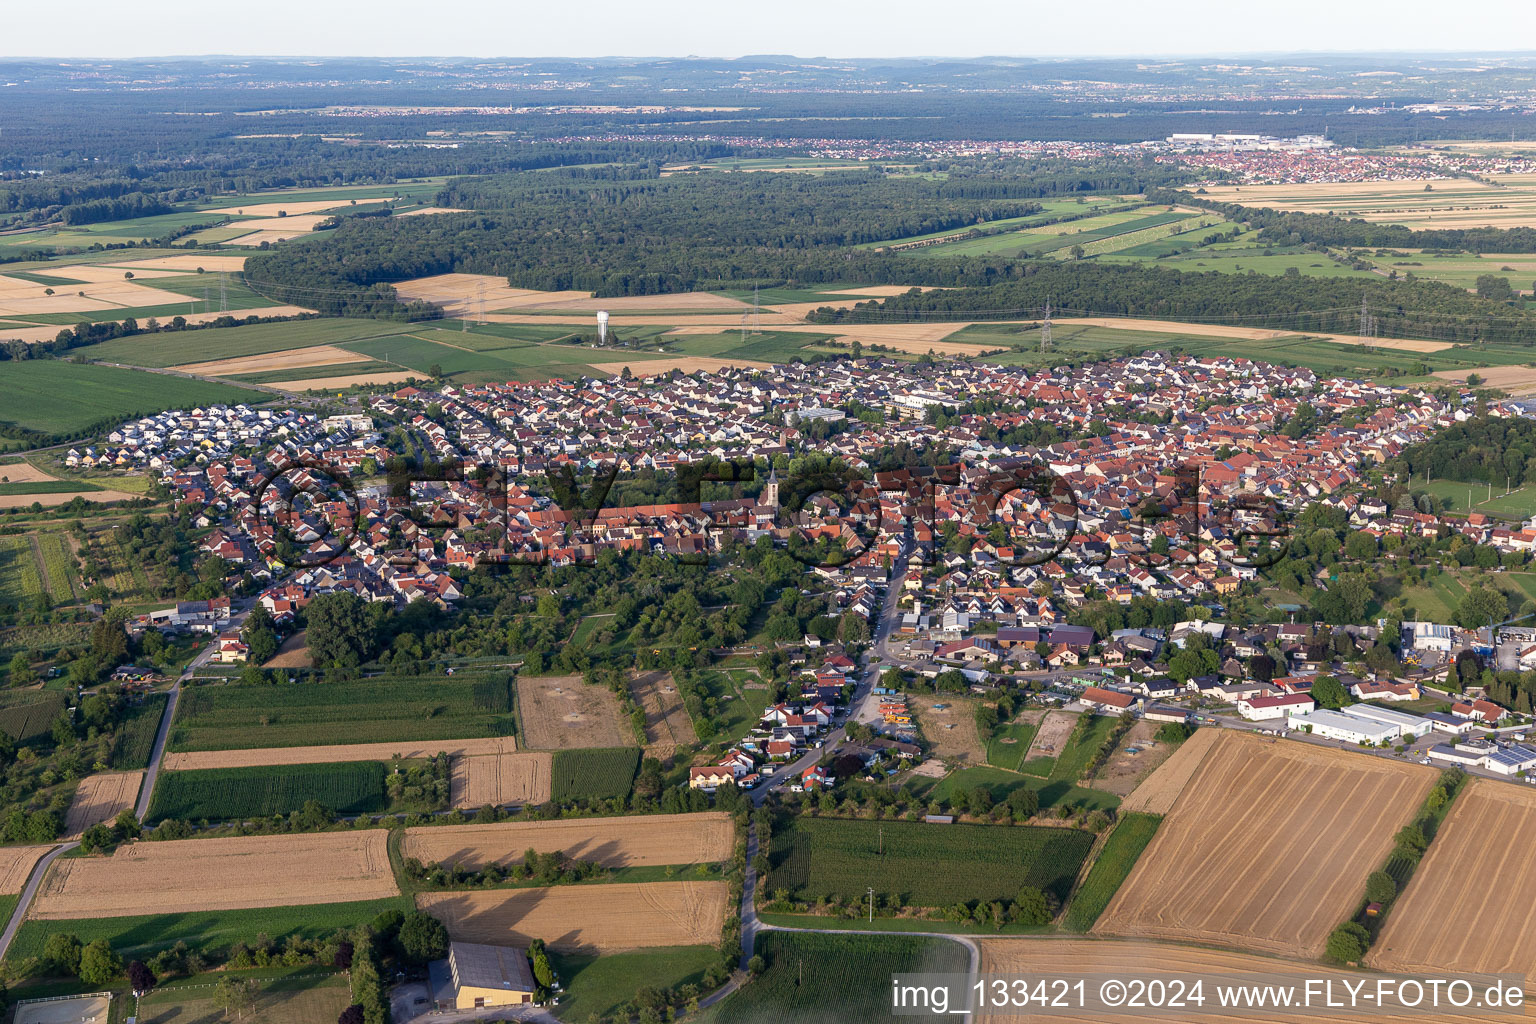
1487,449
1418,309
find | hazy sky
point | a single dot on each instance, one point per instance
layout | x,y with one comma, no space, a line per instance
730,28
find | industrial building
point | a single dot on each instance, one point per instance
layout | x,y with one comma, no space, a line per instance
476,975
1336,725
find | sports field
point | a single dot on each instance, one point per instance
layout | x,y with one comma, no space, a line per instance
586,918
1262,818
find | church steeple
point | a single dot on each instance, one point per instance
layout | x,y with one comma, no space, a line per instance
771,490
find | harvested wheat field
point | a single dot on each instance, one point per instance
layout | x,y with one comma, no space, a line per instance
1097,961
648,839
352,380
99,798
562,712
1158,792
687,364
238,873
209,262
336,752
586,918
1268,847
461,293
1517,380
1467,907
667,723
315,355
23,473
60,497
706,302
951,729
501,779
16,864
298,206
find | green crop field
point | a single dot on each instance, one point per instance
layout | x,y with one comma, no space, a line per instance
176,348
597,985
30,390
1131,835
1080,748
957,786
811,977
49,487
410,708
142,935
343,194
237,794
19,578
136,735
304,373
593,773
305,999
926,865
27,715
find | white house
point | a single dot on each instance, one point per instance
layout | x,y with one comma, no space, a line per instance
1258,709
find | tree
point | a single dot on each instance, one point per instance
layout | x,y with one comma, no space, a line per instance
1494,288
62,952
543,970
1482,606
140,978
423,938
339,633
351,1015
1329,692
21,669
342,961
1024,802
1348,942
1411,838
235,994
260,635
1379,887
1032,906
99,964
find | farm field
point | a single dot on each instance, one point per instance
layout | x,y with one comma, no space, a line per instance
16,864
1439,922
207,344
237,794
143,934
1450,203
1291,814
1132,832
667,725
586,918
280,1000
136,736
99,798
193,875
593,773
29,393
948,724
597,985
811,977
1136,756
562,713
1461,269
252,758
1157,793
381,710
1008,743
927,865
27,715
631,841
501,779
957,786
1077,958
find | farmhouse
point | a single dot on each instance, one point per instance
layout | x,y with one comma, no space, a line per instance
476,975
1107,700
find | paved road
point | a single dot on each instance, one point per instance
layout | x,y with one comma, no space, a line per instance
28,893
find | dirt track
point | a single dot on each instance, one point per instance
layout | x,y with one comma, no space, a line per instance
1467,907
586,918
651,839
234,873
1268,847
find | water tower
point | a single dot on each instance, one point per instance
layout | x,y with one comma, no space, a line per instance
602,327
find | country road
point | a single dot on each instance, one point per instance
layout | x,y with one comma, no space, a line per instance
27,894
